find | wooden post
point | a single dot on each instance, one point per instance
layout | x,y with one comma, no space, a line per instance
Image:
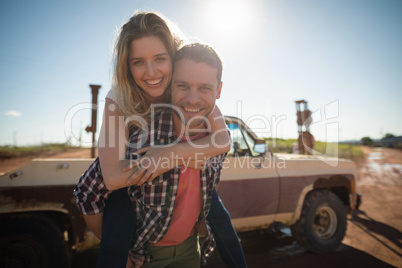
305,139
92,128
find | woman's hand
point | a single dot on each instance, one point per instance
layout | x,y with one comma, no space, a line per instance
157,161
197,163
152,164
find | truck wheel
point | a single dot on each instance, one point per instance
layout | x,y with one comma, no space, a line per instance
32,241
322,224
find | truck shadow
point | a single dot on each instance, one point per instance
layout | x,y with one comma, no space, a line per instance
276,248
273,248
369,225
85,259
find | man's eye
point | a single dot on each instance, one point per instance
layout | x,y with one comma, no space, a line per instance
181,86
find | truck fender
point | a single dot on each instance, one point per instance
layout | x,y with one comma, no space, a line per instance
300,203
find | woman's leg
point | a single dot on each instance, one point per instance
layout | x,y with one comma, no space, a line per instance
118,227
225,235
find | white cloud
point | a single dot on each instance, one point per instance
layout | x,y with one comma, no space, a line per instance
13,113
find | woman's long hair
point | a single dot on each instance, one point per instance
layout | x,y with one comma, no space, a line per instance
129,97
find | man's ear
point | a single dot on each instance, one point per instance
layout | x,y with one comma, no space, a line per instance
218,95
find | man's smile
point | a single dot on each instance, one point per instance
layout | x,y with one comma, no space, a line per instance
192,110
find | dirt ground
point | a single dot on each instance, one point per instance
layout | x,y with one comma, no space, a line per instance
374,234
377,228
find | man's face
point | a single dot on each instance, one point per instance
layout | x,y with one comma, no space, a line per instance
195,87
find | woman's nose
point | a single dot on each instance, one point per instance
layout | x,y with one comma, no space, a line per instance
151,70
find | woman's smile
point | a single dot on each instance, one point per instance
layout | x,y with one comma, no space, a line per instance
154,82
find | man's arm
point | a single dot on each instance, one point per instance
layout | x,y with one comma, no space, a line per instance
95,223
90,194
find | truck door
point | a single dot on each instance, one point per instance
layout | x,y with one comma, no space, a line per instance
249,185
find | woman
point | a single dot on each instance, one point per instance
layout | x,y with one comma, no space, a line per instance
142,73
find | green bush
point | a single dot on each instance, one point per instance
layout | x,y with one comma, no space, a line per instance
8,152
340,150
38,148
280,145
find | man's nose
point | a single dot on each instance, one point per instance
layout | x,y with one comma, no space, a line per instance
193,96
151,70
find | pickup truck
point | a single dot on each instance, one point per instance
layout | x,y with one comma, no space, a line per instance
41,226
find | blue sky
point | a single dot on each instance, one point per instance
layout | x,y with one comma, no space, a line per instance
343,57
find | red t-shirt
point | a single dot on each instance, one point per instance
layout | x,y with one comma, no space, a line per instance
187,207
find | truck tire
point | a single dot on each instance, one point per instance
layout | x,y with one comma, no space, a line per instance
322,224
32,241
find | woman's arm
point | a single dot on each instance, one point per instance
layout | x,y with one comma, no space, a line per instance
191,153
112,145
216,143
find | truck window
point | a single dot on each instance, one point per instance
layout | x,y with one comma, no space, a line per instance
242,142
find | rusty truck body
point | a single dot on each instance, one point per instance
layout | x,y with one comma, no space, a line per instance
41,223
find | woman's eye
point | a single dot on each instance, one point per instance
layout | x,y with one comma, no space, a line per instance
137,62
160,59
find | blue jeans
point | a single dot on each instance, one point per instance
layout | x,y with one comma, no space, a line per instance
117,230
226,238
119,224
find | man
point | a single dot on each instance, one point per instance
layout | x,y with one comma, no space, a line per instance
169,207
196,84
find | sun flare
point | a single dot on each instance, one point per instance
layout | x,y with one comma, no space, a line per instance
228,17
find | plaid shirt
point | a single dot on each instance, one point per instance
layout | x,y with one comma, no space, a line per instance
153,201
90,192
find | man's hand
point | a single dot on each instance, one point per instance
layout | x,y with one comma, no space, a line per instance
201,228
133,262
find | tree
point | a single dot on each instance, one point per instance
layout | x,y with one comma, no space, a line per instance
367,141
388,135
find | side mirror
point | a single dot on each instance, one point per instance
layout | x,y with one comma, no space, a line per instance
260,148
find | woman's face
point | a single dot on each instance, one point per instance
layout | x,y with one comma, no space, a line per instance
151,66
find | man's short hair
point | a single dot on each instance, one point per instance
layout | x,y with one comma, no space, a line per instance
200,53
